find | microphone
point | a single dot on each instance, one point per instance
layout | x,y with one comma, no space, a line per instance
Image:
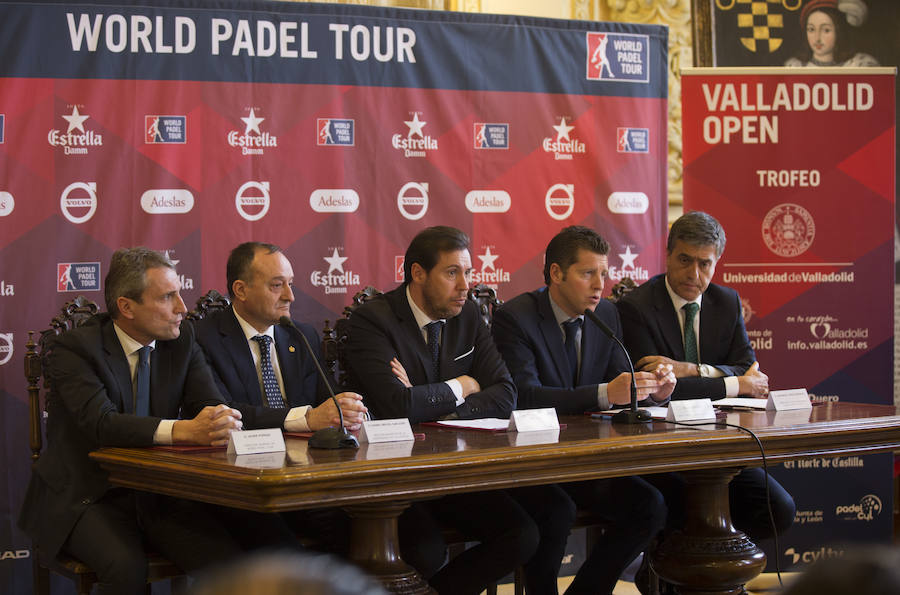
326,437
632,415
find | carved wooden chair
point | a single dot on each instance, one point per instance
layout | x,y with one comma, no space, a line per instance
487,301
210,301
620,289
73,314
334,339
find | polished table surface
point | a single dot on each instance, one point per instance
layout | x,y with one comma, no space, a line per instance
376,482
449,461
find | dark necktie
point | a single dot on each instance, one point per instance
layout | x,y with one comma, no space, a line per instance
270,383
690,337
571,327
142,382
434,345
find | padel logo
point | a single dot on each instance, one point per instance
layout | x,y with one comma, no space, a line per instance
620,57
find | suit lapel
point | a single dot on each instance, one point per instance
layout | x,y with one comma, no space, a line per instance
669,327
286,347
553,338
590,339
118,363
412,335
237,348
160,364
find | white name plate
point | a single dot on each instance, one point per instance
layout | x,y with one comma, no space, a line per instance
691,410
389,450
251,442
266,460
787,400
532,420
533,438
386,430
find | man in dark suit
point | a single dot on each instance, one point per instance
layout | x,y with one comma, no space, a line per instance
121,380
264,370
683,320
557,359
422,352
243,341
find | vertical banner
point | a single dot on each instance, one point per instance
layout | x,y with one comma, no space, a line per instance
335,131
798,165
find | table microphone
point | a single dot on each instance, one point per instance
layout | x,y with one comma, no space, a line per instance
330,437
632,415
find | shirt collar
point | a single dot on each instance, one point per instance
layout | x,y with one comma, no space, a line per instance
422,319
250,332
128,343
559,313
679,301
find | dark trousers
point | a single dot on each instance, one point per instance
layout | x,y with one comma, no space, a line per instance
746,498
507,537
553,511
111,536
632,511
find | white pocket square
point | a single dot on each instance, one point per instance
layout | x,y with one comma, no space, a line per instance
459,357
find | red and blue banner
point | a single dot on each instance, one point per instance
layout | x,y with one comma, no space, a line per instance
798,165
337,132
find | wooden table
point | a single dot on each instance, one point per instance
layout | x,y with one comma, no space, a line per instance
377,482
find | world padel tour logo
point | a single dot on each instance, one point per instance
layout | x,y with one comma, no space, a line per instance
75,140
621,57
252,200
253,141
629,268
490,273
491,136
335,279
77,276
565,145
165,130
335,132
632,140
416,143
78,201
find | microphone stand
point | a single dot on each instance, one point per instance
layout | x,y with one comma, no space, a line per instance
632,415
329,437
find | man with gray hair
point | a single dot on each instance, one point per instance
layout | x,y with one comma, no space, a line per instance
125,378
682,319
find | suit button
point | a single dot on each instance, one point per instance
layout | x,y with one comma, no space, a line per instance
86,501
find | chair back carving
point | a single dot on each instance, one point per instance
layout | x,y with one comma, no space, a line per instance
334,340
209,302
622,288
487,301
73,314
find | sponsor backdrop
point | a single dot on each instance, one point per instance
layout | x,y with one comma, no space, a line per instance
799,168
337,132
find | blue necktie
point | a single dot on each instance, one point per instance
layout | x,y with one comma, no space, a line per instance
571,327
142,382
270,383
434,344
690,337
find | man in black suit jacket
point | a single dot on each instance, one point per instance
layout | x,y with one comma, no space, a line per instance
530,333
100,398
723,362
422,352
259,278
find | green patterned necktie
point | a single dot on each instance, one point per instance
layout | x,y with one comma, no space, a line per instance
690,337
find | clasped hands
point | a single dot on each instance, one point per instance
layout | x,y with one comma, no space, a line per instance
657,382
